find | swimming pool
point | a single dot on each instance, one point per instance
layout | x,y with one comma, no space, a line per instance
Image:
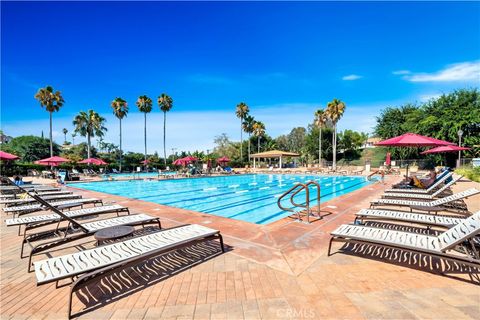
251,198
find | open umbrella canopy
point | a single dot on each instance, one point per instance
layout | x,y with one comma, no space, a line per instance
223,159
52,161
190,159
8,156
145,162
413,140
95,161
180,162
443,149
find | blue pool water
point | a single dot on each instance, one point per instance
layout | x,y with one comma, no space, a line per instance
251,198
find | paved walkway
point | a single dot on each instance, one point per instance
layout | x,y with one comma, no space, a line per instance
278,271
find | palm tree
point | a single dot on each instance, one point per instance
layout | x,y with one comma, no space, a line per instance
258,131
241,111
144,104
65,131
334,112
120,110
89,124
165,103
247,126
74,134
320,120
52,101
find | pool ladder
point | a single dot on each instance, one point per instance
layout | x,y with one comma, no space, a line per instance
304,208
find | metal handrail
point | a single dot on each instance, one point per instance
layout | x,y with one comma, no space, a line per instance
297,188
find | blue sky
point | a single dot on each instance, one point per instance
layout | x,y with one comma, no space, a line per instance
283,59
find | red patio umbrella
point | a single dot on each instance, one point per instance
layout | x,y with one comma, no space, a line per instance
52,161
190,159
95,161
443,149
145,162
180,162
412,140
5,156
223,159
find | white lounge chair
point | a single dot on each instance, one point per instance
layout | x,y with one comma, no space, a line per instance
440,179
439,246
410,217
12,202
37,206
40,193
433,203
87,265
421,196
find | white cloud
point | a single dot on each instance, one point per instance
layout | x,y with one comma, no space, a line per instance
465,71
351,77
429,96
401,72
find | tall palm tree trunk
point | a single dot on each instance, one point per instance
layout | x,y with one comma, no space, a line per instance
241,139
249,136
145,133
258,142
88,145
120,164
164,135
51,142
334,165
320,147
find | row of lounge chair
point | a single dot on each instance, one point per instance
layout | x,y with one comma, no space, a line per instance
57,229
455,236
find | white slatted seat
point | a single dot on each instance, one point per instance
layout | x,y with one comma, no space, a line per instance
435,203
420,218
70,265
72,214
422,196
444,176
38,206
40,193
29,188
430,244
47,198
95,226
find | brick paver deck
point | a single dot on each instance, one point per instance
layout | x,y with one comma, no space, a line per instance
278,271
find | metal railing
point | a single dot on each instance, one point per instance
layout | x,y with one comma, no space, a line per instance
295,190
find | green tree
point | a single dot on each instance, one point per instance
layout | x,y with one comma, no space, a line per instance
144,105
120,110
165,102
296,139
334,112
258,131
241,111
30,148
52,102
247,126
89,124
320,121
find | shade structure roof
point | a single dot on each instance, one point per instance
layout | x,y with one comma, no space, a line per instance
223,159
413,140
52,161
95,161
190,159
443,149
274,154
180,162
8,156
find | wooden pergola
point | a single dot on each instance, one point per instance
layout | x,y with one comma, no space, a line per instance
273,154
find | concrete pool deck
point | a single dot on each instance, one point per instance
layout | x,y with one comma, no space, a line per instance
275,271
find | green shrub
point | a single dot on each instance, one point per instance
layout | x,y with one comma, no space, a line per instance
472,173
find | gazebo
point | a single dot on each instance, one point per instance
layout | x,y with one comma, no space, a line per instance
273,154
